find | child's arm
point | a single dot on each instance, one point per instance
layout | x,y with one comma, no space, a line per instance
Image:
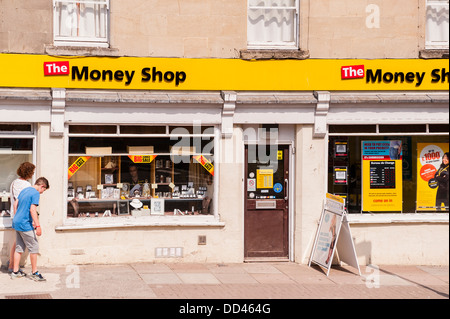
34,216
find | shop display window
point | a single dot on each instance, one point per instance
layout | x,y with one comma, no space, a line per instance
394,180
14,150
160,172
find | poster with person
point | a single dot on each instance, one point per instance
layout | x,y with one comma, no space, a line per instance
328,231
382,185
430,166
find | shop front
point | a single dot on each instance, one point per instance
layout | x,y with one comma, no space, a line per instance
181,160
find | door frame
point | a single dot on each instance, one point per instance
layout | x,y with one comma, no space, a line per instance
292,202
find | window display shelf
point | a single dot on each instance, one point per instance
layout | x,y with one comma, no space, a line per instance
113,207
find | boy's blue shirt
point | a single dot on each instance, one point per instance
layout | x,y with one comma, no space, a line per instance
22,220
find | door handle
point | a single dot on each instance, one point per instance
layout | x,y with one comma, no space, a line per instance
286,187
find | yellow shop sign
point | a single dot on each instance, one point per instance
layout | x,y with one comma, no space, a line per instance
134,73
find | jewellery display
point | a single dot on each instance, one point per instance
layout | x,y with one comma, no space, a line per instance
137,186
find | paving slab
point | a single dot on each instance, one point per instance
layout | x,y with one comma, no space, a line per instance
198,278
269,281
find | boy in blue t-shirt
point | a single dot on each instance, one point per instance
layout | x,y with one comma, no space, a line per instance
26,224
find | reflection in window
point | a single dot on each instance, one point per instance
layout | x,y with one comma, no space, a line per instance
437,25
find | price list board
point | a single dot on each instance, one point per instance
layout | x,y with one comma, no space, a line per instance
382,174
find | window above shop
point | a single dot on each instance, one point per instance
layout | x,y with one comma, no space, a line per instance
437,24
81,22
273,24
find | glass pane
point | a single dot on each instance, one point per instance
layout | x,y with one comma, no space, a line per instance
272,3
277,25
81,19
93,129
125,129
437,23
8,173
266,168
416,128
26,128
16,144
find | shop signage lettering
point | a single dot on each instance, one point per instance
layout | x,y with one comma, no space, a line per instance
56,68
389,77
169,76
147,74
378,76
352,72
437,75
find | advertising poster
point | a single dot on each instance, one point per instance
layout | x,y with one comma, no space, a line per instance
429,158
334,234
328,231
382,175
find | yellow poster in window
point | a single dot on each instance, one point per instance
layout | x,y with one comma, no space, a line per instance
382,176
264,178
429,160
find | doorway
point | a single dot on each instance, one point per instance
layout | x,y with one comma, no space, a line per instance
266,225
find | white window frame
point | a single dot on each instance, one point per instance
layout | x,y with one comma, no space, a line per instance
80,41
436,44
153,221
276,45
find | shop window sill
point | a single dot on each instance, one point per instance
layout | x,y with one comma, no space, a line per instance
381,218
433,54
133,222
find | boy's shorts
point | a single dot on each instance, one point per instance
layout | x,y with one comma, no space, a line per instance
27,239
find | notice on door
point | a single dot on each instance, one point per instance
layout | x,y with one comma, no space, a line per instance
382,175
264,178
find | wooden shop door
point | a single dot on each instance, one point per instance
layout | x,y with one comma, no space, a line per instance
266,230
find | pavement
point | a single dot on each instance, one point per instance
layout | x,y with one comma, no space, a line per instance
241,281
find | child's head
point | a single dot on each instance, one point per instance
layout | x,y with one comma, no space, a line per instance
42,184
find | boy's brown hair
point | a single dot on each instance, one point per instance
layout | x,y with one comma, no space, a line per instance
42,181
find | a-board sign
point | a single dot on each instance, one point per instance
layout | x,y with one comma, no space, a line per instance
333,234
